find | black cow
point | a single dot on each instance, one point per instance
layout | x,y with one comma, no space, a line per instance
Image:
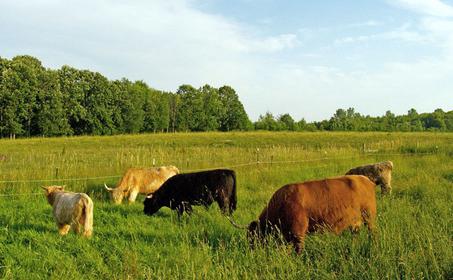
182,191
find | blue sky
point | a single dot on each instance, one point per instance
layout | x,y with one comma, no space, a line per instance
306,58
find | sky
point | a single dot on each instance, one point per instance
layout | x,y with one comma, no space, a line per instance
305,58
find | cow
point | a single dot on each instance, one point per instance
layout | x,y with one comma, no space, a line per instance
182,191
333,204
380,173
70,210
140,180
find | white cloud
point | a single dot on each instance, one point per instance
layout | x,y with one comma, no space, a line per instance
426,7
403,33
168,43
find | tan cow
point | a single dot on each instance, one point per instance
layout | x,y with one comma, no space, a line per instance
141,180
70,210
333,204
380,173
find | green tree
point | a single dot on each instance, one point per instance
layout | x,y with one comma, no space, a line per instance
436,120
190,112
213,109
449,120
128,112
266,122
234,116
25,87
286,122
50,118
156,111
73,86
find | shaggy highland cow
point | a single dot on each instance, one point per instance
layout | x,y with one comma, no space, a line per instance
140,180
70,210
182,191
380,173
333,204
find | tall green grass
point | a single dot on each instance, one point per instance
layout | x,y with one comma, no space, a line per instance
414,238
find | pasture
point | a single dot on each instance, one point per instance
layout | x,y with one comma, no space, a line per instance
414,237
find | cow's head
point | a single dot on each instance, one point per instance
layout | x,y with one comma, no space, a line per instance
50,189
116,195
151,204
385,176
253,232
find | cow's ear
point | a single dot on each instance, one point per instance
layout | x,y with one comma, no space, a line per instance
61,188
44,188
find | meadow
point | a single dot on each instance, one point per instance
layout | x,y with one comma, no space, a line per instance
413,240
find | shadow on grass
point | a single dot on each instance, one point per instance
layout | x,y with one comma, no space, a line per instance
97,192
29,226
414,194
448,177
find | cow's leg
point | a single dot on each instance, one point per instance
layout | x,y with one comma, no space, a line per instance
298,228
77,224
356,221
187,208
180,209
369,217
224,204
132,196
76,227
63,229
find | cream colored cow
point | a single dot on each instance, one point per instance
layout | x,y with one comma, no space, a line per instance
70,210
140,180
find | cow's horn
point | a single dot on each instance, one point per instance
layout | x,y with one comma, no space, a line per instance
236,225
107,188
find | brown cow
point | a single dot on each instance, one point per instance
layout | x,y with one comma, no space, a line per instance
334,204
70,210
141,180
380,173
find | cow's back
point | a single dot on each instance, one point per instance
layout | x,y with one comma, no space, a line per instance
152,179
66,204
324,201
197,186
146,180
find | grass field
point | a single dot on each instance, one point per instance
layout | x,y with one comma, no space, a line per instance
414,238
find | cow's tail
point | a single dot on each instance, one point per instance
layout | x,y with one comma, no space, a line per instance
235,224
233,200
88,214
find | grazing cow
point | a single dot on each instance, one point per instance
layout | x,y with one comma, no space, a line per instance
70,210
140,180
380,173
333,204
182,191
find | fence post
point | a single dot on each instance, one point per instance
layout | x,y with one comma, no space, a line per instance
154,162
257,155
56,173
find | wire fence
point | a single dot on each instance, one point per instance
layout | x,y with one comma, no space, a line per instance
257,163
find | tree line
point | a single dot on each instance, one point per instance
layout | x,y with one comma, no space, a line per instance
349,120
37,101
